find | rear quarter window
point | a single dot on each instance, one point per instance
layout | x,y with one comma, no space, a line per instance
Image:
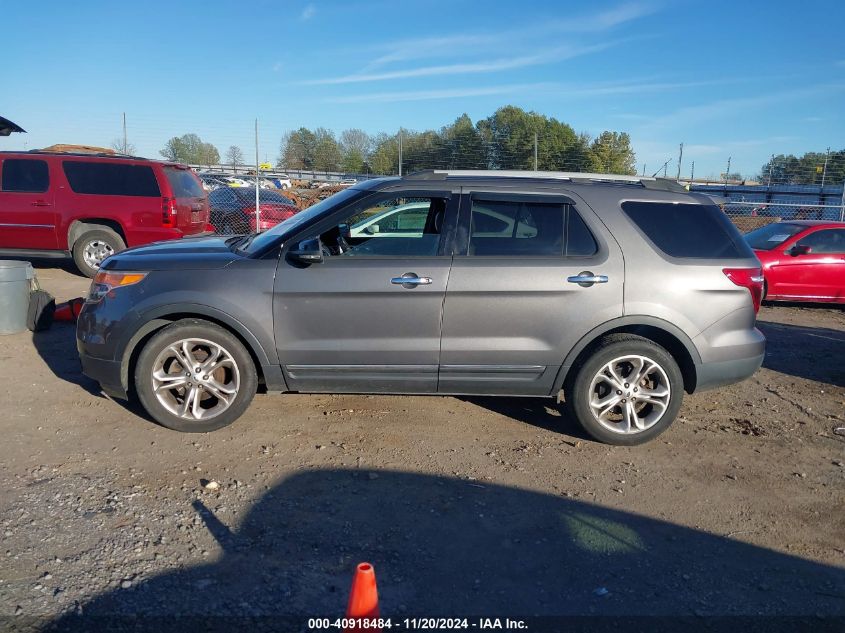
698,231
111,179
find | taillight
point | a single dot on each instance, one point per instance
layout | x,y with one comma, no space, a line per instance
751,278
168,212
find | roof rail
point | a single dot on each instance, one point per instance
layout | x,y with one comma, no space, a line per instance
662,184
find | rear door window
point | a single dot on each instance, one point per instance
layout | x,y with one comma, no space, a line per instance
528,228
183,183
25,175
111,179
699,231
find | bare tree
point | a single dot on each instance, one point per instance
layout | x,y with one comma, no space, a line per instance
235,156
122,147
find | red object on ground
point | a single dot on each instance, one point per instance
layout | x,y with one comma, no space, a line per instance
363,597
69,310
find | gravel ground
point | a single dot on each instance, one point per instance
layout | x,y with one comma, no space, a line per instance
464,505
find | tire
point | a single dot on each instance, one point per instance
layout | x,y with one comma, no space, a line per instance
224,394
607,416
92,247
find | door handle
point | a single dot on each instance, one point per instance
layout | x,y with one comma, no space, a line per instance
40,203
586,279
411,280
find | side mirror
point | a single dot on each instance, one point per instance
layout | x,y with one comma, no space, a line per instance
307,252
800,250
344,230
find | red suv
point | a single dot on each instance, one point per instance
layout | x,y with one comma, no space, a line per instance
91,206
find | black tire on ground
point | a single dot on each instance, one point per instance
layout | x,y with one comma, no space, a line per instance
577,390
194,329
101,234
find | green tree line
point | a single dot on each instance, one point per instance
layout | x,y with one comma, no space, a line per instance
190,149
809,169
504,140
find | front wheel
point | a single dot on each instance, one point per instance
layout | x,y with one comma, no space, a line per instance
627,392
194,376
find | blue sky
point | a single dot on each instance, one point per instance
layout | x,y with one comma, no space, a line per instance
729,79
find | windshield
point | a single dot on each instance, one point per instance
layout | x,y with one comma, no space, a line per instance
772,236
303,217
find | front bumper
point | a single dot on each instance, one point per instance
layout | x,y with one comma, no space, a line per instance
105,372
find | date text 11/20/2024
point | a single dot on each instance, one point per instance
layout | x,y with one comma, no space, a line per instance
430,624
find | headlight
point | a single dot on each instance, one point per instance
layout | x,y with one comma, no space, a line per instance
105,282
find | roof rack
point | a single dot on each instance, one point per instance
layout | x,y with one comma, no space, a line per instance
661,184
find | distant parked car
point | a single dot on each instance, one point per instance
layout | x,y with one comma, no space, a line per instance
282,182
90,205
233,209
803,260
210,182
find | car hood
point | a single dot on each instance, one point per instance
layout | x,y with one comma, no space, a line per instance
198,253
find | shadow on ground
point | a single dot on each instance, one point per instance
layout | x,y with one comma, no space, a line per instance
545,413
448,547
806,352
57,348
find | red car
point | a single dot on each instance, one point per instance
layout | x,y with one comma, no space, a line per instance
90,206
803,260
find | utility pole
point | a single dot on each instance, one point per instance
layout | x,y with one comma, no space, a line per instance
692,172
663,167
126,146
400,152
824,171
728,170
680,160
842,209
257,188
643,169
771,167
535,151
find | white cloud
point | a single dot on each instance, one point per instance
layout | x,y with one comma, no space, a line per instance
494,65
729,108
454,45
426,95
308,12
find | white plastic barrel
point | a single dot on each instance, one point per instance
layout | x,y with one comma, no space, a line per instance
14,295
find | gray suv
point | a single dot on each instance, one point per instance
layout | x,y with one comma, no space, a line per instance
614,294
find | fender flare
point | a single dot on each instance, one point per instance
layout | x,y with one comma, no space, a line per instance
628,321
155,318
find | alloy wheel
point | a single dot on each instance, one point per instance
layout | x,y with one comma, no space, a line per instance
629,394
195,379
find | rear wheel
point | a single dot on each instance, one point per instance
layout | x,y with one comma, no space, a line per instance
194,376
627,392
92,247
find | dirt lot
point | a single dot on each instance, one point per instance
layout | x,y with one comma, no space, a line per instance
465,506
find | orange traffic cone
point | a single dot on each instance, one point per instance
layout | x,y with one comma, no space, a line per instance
69,310
363,597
